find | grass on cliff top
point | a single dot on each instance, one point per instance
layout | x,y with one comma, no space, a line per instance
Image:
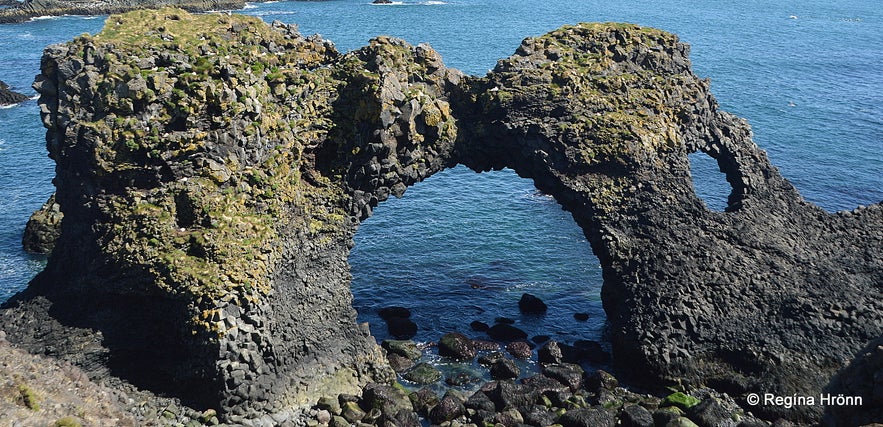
146,27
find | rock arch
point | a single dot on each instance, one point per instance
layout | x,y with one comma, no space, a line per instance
212,254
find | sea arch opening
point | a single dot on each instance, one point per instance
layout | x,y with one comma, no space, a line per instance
463,247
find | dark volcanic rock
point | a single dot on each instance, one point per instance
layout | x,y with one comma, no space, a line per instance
8,97
399,363
423,400
401,327
529,304
587,417
506,332
636,416
520,349
404,348
213,170
506,394
567,374
389,400
423,374
504,369
710,413
446,410
456,346
479,326
863,379
43,228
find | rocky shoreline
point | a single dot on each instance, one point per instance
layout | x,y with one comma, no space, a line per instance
29,9
41,391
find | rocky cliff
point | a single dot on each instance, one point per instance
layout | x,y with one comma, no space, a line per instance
212,172
27,9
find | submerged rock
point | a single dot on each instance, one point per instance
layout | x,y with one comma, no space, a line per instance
506,333
423,374
213,169
529,304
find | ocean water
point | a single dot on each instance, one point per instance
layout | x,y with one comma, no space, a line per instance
464,246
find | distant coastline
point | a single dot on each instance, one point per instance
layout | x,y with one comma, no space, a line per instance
18,12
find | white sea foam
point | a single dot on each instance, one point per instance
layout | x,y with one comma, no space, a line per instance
433,3
274,13
44,18
249,6
6,107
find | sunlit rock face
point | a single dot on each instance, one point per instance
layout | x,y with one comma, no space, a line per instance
212,171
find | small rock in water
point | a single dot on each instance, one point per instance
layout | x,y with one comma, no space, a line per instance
456,346
505,332
404,348
399,363
504,369
552,352
490,358
423,374
529,304
520,349
479,326
401,327
582,317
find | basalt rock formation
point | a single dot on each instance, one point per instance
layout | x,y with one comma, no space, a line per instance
28,9
43,228
8,97
213,170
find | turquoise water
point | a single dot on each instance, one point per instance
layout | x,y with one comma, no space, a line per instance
806,76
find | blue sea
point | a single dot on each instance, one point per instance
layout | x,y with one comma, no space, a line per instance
463,246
